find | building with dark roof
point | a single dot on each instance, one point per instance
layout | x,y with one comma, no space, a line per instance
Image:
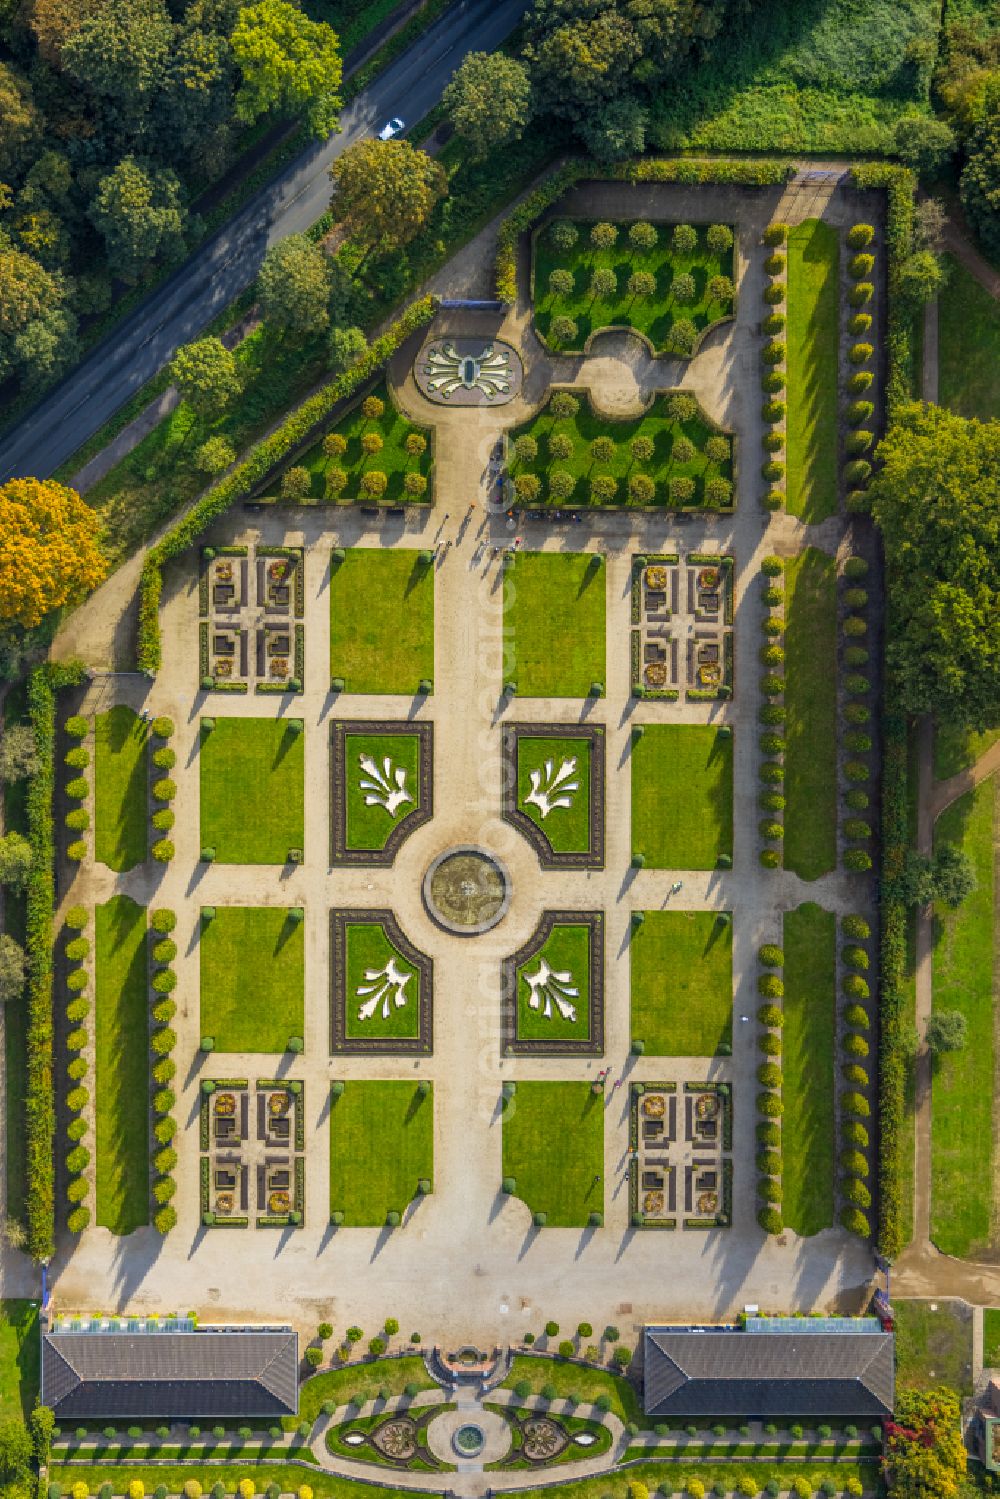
173,1370
772,1368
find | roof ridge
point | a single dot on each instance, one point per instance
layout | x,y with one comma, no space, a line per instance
262,1377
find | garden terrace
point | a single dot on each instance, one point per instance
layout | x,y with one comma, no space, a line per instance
121,1022
381,1150
264,1014
339,476
252,789
689,463
381,620
121,788
553,1151
682,795
810,844
809,1085
555,596
813,370
689,287
681,977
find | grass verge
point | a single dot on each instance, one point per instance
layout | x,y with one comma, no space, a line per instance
968,346
933,1347
810,846
20,1351
813,309
121,788
810,1078
121,1083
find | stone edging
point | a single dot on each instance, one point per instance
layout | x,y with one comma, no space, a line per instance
593,1044
340,1043
548,857
384,857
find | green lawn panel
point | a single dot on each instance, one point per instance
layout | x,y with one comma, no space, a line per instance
368,948
369,827
252,790
567,950
382,620
682,983
553,1145
813,374
393,460
252,978
991,1337
554,622
962,1157
655,315
121,1081
956,748
809,1065
20,1350
587,424
934,1344
968,345
566,828
682,796
121,788
364,1381
575,1379
381,1144
810,847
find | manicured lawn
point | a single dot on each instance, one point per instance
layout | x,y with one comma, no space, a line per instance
121,794
962,1161
581,429
368,827
809,1065
566,828
382,620
682,983
682,796
370,951
812,337
654,315
288,1477
363,1381
121,1082
393,459
381,1144
810,846
575,1379
933,1347
968,346
252,978
19,1358
566,952
991,1337
252,777
957,749
554,622
553,1145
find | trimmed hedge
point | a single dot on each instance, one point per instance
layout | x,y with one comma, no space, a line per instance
240,483
899,184
892,1061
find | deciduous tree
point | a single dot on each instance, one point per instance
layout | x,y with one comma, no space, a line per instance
205,373
140,214
48,549
488,100
15,862
925,1457
294,286
11,968
385,191
289,65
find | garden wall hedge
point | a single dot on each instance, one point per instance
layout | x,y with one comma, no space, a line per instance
43,685
255,467
899,185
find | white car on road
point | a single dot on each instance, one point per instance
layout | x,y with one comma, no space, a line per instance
390,128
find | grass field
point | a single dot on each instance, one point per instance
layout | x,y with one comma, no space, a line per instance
968,345
991,1337
933,1347
957,749
382,620
567,950
554,622
20,1351
121,788
368,948
586,425
682,983
566,828
368,827
553,1146
808,1061
682,796
813,309
654,316
381,1144
810,846
393,460
962,1099
261,1014
121,1082
363,1381
569,1379
252,776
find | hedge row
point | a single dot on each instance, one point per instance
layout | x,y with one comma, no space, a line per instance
43,685
77,949
899,184
892,1057
163,1068
856,711
771,987
858,406
855,958
76,761
772,715
264,456
163,790
774,371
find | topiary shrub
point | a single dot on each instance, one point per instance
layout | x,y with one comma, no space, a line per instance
76,726
860,294
772,772
771,1015
770,1190
856,927
774,351
163,727
854,1074
769,1133
772,744
775,264
855,1221
165,789
77,788
770,858
859,324
769,1163
855,1103
164,981
769,1075
77,758
860,266
772,715
770,1105
857,860
770,1220
772,831
771,955
857,829
163,921
769,1044
860,353
774,293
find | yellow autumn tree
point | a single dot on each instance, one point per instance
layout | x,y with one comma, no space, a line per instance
48,549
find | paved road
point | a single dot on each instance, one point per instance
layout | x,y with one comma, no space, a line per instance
229,261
